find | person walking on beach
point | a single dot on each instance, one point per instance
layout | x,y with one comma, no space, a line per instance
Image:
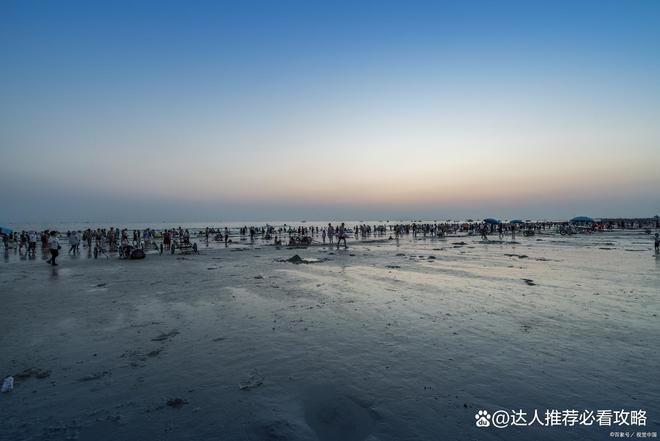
53,247
341,235
74,242
657,243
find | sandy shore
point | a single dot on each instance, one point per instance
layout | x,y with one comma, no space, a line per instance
384,341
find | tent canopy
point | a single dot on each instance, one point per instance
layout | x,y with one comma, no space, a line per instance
490,220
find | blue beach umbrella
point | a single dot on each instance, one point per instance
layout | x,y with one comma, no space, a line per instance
582,219
490,220
4,230
516,221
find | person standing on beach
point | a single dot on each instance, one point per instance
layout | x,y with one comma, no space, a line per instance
53,247
341,235
331,233
657,243
32,243
167,240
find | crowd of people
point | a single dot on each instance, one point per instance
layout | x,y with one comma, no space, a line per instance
125,242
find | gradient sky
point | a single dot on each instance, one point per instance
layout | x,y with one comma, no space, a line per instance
152,111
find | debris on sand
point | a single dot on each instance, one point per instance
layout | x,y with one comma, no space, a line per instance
165,336
253,382
519,256
7,385
530,282
94,376
32,372
155,352
176,403
392,266
297,260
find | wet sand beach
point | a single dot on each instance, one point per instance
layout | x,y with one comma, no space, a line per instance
388,340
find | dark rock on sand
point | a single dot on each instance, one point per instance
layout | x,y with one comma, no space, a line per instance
295,259
32,372
94,376
253,382
165,336
176,403
154,353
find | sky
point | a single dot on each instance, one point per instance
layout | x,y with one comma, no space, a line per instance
196,111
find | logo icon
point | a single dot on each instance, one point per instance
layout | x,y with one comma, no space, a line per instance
483,418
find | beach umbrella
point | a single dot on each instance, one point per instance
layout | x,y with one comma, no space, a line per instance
490,220
4,230
516,221
582,219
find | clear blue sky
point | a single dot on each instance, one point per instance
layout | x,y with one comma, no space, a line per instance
150,111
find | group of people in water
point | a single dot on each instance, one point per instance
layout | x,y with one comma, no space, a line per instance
126,242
